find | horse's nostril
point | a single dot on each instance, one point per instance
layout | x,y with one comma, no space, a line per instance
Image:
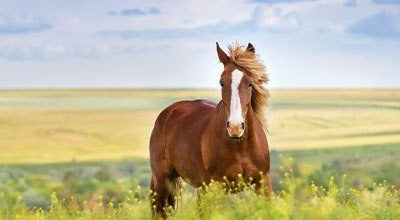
242,125
227,124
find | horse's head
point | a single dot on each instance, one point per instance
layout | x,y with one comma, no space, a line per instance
236,89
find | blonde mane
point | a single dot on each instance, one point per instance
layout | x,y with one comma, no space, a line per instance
256,70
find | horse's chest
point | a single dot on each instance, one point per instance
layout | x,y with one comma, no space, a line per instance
249,169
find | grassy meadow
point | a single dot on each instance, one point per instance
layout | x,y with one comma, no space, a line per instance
84,125
84,154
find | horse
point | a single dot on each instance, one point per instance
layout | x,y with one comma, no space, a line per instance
200,141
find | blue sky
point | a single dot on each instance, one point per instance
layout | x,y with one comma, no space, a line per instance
168,44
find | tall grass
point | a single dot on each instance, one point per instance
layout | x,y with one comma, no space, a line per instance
296,199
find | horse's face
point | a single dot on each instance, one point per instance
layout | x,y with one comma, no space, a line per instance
236,97
236,89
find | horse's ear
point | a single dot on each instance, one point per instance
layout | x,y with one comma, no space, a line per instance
223,58
250,48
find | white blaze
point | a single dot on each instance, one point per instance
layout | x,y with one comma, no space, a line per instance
235,116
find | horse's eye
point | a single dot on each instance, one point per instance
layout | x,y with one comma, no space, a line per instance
250,84
221,83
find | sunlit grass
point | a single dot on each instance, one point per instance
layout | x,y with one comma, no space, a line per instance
297,198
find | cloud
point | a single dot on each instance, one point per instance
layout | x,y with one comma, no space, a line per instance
351,3
19,24
86,40
380,25
275,19
136,11
263,19
207,31
387,1
278,1
56,52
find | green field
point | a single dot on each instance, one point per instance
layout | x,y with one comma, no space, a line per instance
92,146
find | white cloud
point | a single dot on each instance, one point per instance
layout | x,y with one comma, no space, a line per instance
54,49
276,18
182,36
22,23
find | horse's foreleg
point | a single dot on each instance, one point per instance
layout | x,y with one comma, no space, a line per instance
200,208
265,186
268,184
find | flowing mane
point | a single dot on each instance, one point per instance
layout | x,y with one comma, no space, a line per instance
256,70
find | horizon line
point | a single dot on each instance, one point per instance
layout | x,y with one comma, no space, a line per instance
187,88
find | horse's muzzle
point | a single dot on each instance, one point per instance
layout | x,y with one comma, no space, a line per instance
235,131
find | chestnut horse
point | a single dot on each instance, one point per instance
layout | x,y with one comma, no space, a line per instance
201,141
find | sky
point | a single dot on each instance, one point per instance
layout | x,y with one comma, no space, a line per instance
171,44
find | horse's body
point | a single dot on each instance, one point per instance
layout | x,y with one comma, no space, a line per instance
190,140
